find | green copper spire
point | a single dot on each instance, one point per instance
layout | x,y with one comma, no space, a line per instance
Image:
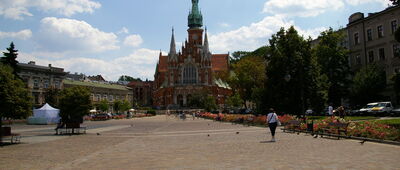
195,19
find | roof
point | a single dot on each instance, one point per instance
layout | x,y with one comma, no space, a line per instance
93,84
219,62
42,68
140,83
163,65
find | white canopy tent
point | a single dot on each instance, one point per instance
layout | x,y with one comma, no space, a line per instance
45,115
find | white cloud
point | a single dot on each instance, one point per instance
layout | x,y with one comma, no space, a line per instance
18,9
248,37
141,63
133,40
302,8
123,30
359,2
62,34
23,34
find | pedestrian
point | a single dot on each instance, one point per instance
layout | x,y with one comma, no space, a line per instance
341,111
272,120
330,110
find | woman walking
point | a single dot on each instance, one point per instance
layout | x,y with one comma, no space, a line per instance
272,120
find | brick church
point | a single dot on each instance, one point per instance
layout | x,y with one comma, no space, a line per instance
191,70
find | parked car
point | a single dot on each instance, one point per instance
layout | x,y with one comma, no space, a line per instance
368,107
396,112
102,116
382,109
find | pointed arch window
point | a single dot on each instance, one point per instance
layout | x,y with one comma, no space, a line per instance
189,74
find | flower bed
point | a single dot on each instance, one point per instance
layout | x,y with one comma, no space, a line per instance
367,129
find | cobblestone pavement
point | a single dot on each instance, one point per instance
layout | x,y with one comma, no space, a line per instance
167,143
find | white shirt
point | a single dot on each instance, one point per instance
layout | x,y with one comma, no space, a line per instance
330,110
272,117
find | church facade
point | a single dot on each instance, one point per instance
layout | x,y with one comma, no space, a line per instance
180,75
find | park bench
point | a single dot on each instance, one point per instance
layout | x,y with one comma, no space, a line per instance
293,126
14,137
335,129
71,128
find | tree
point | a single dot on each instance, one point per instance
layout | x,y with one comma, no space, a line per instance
249,74
237,55
103,105
128,78
396,80
125,106
52,96
368,83
294,80
333,59
15,99
197,99
10,58
210,103
117,105
74,104
235,100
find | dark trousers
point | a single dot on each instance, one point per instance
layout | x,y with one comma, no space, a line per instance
272,127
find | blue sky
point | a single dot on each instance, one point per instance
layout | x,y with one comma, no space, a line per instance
124,37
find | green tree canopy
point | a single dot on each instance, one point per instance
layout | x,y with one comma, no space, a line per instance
128,78
15,99
234,100
294,81
249,73
117,105
103,105
74,104
333,59
10,58
210,103
125,106
52,96
203,100
368,83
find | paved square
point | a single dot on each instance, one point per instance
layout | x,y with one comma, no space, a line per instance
166,143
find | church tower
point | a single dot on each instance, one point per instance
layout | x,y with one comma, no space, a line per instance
181,75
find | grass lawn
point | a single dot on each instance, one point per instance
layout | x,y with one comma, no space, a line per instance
391,122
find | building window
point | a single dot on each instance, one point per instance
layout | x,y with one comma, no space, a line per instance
36,83
111,98
57,84
358,59
394,26
189,74
98,97
104,97
380,31
396,50
46,84
381,54
356,39
371,56
369,34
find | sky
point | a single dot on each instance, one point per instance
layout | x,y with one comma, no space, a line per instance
125,37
